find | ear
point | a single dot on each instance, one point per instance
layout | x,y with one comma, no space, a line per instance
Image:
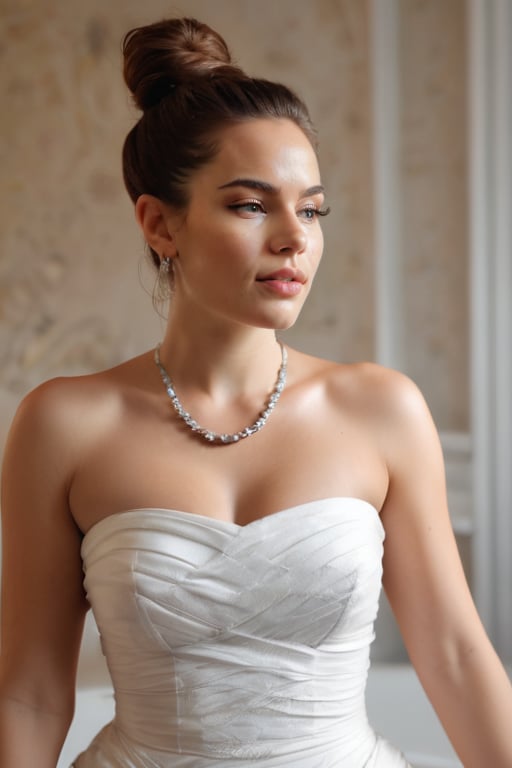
154,218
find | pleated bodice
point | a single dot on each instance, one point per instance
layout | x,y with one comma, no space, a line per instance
238,645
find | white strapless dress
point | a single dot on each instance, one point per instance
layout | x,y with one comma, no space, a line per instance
238,646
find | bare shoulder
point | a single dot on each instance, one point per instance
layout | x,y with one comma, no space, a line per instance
383,401
393,407
380,391
63,404
60,417
383,392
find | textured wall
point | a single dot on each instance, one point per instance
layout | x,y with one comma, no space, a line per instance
70,298
435,203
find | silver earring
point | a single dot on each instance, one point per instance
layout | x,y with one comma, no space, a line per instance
165,266
163,285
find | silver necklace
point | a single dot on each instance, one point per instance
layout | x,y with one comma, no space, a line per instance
215,437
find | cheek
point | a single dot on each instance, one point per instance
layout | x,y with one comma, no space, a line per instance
238,248
320,241
317,248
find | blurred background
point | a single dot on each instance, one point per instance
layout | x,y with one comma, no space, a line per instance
413,101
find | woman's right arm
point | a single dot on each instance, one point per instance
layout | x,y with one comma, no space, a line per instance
43,603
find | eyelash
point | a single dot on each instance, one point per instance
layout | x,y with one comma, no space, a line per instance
257,204
318,211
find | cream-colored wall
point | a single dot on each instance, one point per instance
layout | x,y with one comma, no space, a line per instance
70,254
70,298
434,205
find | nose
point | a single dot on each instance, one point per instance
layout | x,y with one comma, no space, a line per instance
288,237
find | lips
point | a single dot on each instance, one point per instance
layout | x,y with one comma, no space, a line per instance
284,283
284,275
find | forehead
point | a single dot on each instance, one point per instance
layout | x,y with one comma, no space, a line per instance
276,151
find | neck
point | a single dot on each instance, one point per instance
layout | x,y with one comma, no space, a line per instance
219,362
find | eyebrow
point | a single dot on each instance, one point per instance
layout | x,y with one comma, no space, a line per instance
264,186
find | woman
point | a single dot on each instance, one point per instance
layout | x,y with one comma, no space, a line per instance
226,497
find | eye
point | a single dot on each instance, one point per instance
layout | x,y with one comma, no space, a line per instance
311,212
250,207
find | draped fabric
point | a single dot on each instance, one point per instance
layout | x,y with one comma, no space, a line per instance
238,645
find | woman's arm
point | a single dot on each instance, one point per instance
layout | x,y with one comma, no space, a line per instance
43,604
427,589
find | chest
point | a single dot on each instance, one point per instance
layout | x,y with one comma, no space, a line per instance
295,458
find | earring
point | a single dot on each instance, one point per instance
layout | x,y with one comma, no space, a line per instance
165,266
163,285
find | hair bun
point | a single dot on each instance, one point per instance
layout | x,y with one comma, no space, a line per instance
160,56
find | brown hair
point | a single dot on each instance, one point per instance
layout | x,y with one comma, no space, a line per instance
181,76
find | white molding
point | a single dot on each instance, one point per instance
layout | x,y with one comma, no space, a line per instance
502,140
479,188
387,195
490,114
480,477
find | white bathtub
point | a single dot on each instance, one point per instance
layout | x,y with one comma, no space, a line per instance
397,707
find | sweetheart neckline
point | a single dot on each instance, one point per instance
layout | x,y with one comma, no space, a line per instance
214,521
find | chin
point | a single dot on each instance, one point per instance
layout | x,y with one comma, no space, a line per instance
282,323
285,326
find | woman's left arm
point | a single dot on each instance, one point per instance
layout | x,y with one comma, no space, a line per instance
428,592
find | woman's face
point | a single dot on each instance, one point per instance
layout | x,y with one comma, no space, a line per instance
249,243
